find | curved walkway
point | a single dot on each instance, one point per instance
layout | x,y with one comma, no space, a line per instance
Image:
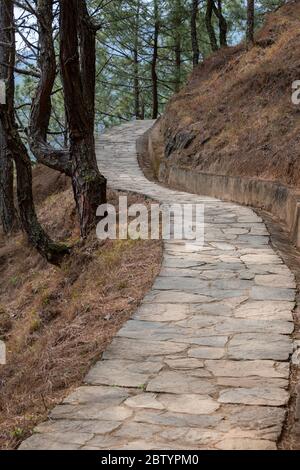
204,362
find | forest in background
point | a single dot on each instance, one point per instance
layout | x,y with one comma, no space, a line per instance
146,50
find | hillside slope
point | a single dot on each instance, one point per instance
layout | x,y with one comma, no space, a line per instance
235,117
56,322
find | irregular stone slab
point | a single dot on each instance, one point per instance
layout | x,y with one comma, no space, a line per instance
244,325
155,330
230,260
103,396
261,419
276,280
252,382
235,302
150,445
191,437
91,412
260,346
207,353
232,284
184,364
255,396
249,218
84,426
221,309
179,283
55,442
134,430
258,251
247,275
245,444
192,404
175,333
268,310
217,274
181,263
270,293
122,373
223,246
104,442
144,400
176,419
180,272
123,348
264,269
261,258
259,230
176,297
266,369
236,231
254,240
197,322
179,382
218,294
211,341
162,312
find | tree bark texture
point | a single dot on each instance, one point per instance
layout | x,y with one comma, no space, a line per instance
223,27
154,61
89,185
209,25
41,106
194,33
7,209
250,22
36,235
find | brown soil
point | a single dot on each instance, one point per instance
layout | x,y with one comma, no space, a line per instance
57,322
235,117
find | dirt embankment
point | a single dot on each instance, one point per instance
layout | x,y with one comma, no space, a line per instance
235,117
57,322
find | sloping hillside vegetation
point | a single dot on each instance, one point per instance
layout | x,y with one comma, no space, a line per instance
236,117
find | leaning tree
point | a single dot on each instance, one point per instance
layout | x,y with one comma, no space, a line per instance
17,150
77,34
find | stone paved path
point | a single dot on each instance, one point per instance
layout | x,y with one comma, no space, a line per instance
204,362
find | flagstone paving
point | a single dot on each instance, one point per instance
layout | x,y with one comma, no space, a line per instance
204,362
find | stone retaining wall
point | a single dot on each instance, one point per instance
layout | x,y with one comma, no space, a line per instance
279,200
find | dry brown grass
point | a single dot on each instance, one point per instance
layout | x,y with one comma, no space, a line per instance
238,107
57,322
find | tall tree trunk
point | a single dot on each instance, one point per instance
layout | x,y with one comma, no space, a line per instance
37,236
41,105
250,22
209,25
178,63
87,54
223,27
136,80
136,86
177,46
89,185
7,209
194,33
154,61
